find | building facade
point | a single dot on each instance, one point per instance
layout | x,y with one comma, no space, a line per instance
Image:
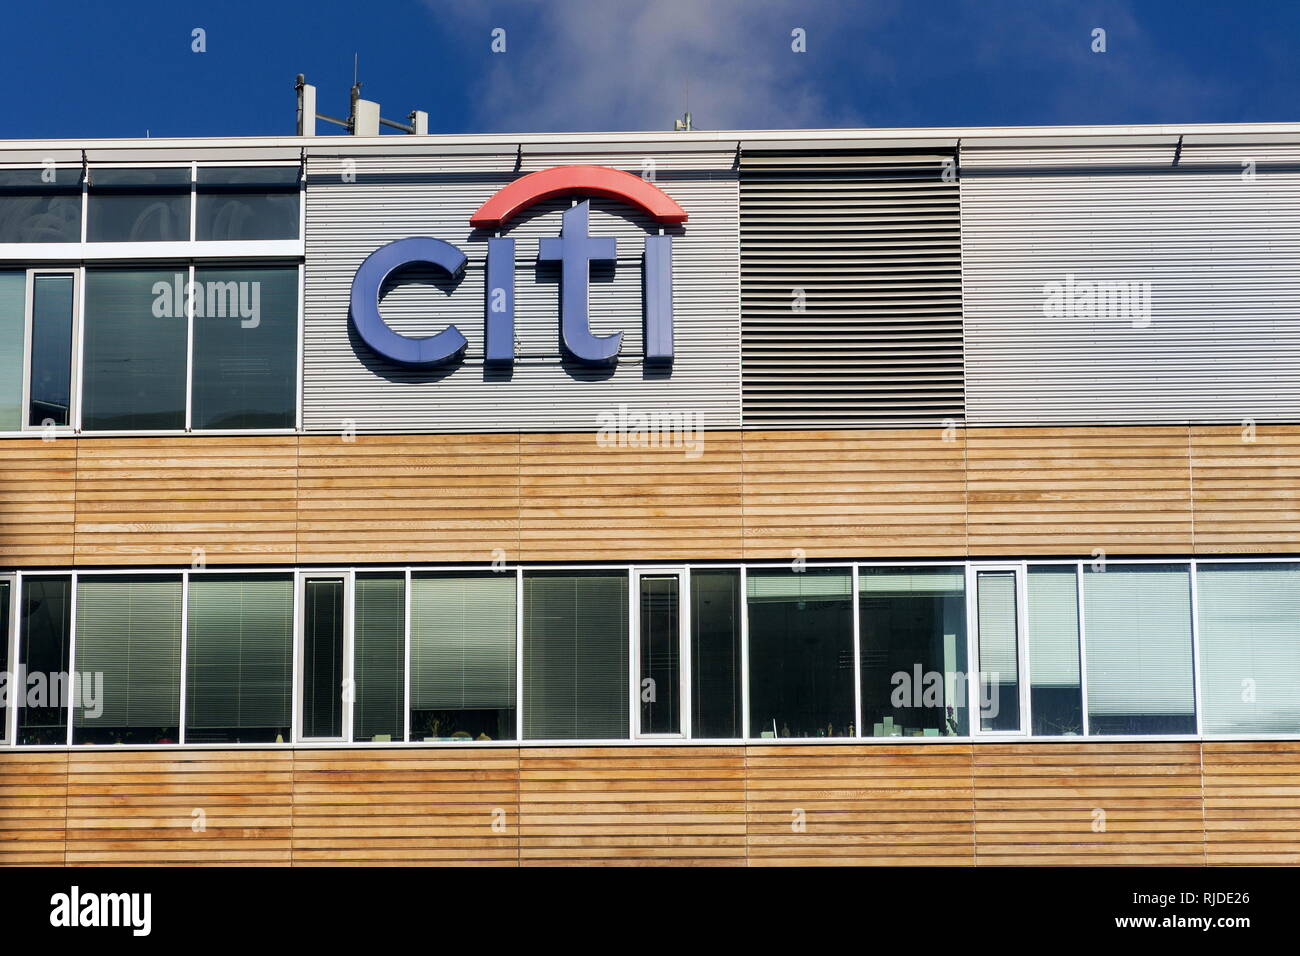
909,496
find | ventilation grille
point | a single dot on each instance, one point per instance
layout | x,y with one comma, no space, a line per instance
850,289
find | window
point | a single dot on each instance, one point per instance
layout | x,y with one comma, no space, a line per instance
659,654
40,205
463,638
44,682
1055,695
13,335
379,654
245,348
243,203
1250,647
800,653
134,353
239,659
1138,633
51,358
715,653
139,205
997,633
129,651
323,643
913,627
576,656
6,624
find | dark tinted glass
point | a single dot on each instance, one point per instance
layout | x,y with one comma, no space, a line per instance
4,645
247,203
44,681
51,375
139,205
715,653
322,656
800,653
379,650
40,205
134,355
245,348
660,655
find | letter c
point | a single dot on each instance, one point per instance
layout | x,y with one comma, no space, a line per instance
448,345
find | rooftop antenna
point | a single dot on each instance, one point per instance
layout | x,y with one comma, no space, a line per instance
363,115
683,125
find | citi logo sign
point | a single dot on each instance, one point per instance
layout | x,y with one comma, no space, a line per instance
574,250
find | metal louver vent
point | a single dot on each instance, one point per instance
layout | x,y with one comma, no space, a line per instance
850,289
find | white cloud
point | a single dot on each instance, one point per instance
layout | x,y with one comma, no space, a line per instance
615,64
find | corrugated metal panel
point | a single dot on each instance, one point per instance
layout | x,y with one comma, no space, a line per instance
1221,255
395,197
850,289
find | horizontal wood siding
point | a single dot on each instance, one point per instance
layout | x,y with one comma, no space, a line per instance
398,498
674,806
1088,803
186,500
837,493
223,808
1228,803
854,493
37,501
862,806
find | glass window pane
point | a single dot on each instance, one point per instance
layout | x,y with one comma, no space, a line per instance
246,348
239,660
1055,696
247,203
40,205
660,641
6,597
1250,647
379,649
134,354
995,606
322,658
43,676
575,656
913,624
463,639
51,377
139,205
13,319
1137,622
715,653
129,631
800,653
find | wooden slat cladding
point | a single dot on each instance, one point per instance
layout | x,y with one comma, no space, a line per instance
1092,803
394,498
406,807
837,493
1252,803
862,806
175,500
33,808
231,808
1074,490
1246,488
37,501
854,493
675,806
983,804
587,501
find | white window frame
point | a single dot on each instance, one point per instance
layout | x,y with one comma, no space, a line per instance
682,573
74,359
974,665
347,691
8,713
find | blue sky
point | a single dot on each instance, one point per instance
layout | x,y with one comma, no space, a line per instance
77,69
